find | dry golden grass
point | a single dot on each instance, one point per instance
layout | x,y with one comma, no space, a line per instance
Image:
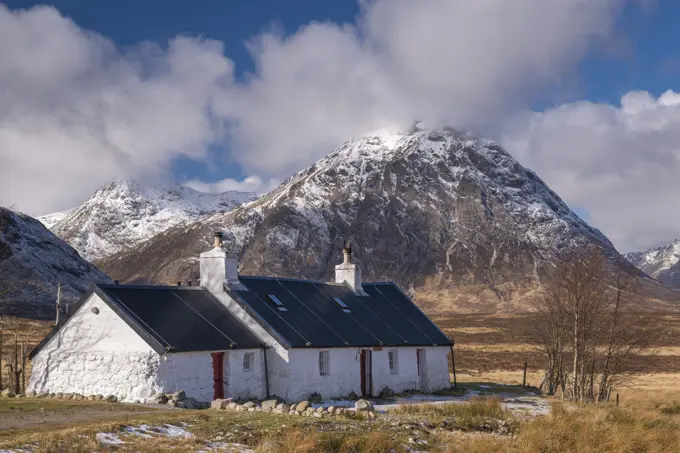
298,442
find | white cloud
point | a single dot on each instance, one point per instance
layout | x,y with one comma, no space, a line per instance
462,62
75,112
249,184
621,163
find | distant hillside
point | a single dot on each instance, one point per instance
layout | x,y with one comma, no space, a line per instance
33,261
662,263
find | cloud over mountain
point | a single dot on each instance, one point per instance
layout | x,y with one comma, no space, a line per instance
77,112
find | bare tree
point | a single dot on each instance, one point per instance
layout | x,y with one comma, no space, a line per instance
585,319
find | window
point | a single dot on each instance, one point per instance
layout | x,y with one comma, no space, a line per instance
343,305
394,364
324,363
248,360
277,302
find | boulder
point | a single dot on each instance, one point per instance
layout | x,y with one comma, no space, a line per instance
371,415
19,395
179,395
43,395
31,394
99,397
270,403
159,398
91,397
7,393
220,404
331,410
320,410
59,395
232,406
339,410
111,399
318,414
363,406
249,404
301,407
309,411
172,403
283,407
293,412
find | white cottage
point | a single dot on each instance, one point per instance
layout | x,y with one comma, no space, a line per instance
244,337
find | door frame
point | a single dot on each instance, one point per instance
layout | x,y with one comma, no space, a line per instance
218,374
421,359
366,369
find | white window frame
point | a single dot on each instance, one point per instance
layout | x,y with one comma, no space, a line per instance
393,360
324,363
248,361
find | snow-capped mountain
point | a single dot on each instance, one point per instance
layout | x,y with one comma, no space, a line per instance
33,261
50,220
124,213
662,263
441,211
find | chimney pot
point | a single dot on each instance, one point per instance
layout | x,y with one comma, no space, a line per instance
349,272
217,239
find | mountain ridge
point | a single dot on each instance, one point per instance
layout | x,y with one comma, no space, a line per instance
442,212
661,263
124,213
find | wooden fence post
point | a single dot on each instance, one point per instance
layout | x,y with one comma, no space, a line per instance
453,367
524,379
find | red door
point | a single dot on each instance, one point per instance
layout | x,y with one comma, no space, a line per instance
218,374
366,372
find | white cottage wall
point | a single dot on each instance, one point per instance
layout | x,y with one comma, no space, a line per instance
242,384
406,377
193,373
298,378
96,354
437,368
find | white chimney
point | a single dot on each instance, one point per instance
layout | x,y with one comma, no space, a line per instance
348,272
218,267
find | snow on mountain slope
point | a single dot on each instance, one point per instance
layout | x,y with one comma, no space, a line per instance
124,213
661,263
33,261
441,212
50,220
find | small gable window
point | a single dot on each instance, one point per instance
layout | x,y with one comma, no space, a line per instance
277,302
248,360
342,305
393,359
324,363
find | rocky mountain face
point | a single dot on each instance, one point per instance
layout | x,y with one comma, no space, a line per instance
661,263
33,261
124,213
441,212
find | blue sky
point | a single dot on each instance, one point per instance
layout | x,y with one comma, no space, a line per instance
574,90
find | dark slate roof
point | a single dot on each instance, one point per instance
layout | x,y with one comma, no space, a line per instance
173,318
385,317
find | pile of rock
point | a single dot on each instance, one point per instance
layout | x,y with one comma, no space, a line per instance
177,399
276,406
7,393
